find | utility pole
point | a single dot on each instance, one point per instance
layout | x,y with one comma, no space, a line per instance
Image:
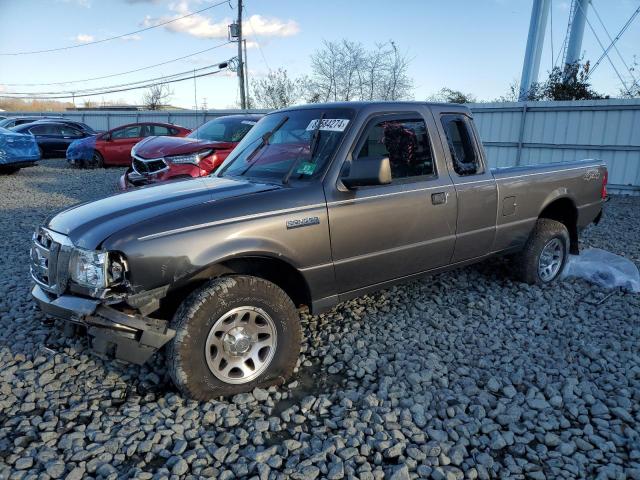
574,46
243,98
535,41
246,73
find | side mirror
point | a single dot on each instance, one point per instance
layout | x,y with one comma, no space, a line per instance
368,171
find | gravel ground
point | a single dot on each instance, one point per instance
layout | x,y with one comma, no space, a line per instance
462,375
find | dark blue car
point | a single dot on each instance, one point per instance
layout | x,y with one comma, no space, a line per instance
16,151
53,137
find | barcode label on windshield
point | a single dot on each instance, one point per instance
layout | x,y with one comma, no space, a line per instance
248,122
329,124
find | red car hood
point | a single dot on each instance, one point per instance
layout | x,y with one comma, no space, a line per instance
157,147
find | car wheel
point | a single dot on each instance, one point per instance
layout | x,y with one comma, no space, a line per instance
545,254
232,335
97,161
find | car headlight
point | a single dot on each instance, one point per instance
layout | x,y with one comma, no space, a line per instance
88,268
193,158
96,270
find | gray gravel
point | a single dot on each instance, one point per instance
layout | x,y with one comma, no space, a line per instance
462,375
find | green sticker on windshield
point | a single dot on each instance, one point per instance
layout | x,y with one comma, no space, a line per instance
306,168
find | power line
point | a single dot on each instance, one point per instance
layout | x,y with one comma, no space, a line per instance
613,41
605,51
80,92
255,36
551,32
116,74
114,37
190,77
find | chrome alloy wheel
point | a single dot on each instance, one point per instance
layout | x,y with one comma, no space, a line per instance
551,259
241,345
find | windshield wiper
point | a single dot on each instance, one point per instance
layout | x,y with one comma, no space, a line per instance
265,141
313,145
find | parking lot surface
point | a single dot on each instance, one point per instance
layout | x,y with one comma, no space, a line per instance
466,374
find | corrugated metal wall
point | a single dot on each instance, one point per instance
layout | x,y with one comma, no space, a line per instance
512,133
544,132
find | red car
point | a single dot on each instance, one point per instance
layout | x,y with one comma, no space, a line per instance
198,154
114,147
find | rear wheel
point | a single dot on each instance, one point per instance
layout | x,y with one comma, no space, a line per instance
545,253
232,335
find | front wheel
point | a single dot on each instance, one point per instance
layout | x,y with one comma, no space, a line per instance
545,253
97,161
232,335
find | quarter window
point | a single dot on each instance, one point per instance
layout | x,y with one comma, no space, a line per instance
404,141
463,152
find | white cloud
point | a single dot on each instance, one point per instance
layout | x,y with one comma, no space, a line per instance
84,38
132,38
202,26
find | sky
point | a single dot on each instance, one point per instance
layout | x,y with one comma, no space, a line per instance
476,46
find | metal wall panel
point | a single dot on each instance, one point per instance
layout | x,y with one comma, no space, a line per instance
513,133
565,131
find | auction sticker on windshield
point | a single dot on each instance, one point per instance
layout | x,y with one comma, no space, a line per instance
329,124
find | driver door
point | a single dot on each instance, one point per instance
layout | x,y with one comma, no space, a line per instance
385,232
122,140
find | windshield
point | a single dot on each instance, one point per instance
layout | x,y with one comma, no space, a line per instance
283,142
230,129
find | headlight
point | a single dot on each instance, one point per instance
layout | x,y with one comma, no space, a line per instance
88,268
96,269
189,158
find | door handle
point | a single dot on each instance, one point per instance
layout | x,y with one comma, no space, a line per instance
439,198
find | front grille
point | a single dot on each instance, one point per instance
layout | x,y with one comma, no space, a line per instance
50,259
148,166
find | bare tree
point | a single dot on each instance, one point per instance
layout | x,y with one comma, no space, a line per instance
157,96
449,95
276,90
345,71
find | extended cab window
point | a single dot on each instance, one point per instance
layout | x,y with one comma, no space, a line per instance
404,141
461,146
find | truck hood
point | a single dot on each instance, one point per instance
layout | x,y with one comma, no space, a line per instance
158,147
89,224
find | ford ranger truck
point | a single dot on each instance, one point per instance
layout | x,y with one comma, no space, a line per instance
317,204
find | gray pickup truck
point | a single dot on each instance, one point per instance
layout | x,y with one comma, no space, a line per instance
318,204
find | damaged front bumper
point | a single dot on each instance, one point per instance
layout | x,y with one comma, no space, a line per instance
132,338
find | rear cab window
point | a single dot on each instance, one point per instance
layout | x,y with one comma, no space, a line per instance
464,152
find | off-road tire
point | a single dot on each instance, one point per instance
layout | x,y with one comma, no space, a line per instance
195,317
528,259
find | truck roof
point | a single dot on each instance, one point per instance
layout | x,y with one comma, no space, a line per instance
366,105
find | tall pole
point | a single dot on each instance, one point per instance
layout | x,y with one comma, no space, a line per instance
535,42
574,47
246,73
243,99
